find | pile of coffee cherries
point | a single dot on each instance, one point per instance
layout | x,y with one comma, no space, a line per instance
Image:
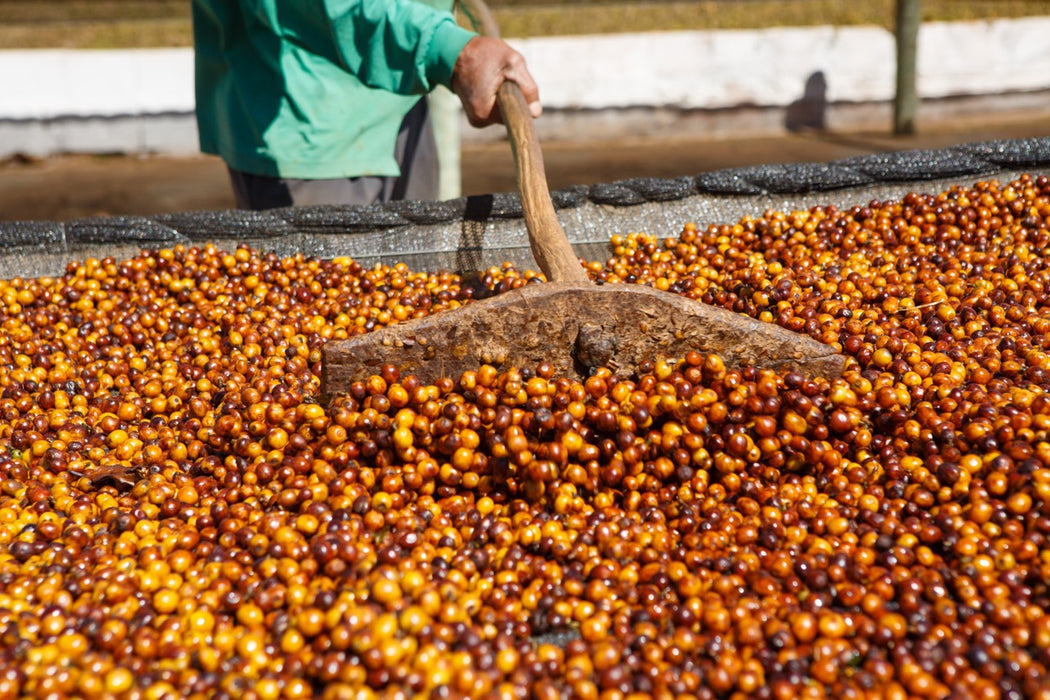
182,516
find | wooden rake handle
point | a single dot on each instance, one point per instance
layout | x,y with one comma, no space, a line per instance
550,246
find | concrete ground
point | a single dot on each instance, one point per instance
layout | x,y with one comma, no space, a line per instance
69,187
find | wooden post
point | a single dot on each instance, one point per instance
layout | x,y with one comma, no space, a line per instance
906,99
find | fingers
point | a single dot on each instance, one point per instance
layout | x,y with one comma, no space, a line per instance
518,73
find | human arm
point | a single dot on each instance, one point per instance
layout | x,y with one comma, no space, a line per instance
401,46
408,48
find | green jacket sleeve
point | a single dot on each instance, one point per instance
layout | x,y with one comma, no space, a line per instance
316,88
402,46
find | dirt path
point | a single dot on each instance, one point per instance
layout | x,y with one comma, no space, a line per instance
69,187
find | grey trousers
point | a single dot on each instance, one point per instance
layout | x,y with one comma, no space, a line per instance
416,153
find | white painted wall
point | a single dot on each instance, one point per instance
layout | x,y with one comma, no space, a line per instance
44,84
964,58
40,89
710,70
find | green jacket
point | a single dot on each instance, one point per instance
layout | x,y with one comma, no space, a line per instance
316,89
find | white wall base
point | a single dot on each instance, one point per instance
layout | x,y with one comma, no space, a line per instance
723,83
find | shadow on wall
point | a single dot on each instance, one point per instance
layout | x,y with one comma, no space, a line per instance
807,112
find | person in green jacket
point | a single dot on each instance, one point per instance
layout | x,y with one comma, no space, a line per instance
320,101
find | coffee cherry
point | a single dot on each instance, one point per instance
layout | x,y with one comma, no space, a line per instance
182,517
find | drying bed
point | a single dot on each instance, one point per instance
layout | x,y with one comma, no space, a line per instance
182,516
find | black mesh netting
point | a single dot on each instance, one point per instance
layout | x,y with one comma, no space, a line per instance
797,178
204,225
120,229
917,165
317,225
1019,153
427,212
340,219
501,205
32,234
735,181
653,189
616,194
